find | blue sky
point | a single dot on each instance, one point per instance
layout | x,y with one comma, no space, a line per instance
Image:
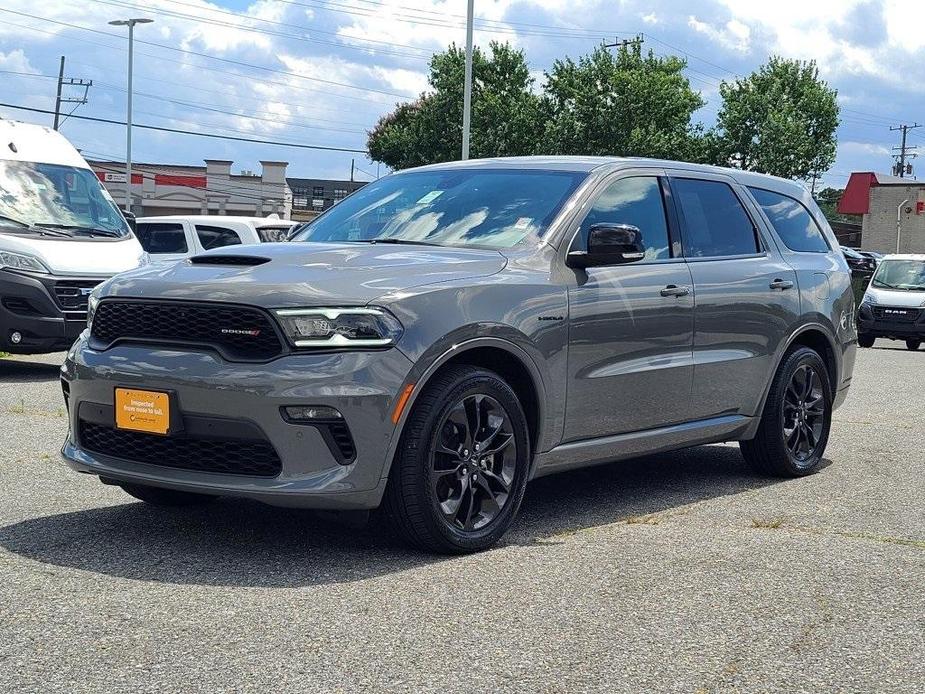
321,72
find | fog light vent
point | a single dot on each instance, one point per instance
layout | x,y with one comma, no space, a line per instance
312,413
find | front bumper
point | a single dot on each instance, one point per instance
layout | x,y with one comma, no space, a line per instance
885,324
205,388
48,312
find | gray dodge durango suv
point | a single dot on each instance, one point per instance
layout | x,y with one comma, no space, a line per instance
448,333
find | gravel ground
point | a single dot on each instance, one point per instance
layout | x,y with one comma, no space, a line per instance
681,572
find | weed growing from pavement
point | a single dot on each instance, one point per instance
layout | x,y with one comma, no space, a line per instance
772,523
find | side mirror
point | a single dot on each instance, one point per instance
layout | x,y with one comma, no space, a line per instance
130,218
609,244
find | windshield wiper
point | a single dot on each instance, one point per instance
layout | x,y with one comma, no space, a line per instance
16,221
886,285
401,242
77,227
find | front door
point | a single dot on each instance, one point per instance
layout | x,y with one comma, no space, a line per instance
631,325
747,295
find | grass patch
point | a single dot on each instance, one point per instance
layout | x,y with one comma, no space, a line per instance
772,523
648,519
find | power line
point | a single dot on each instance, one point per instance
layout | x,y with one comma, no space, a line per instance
229,61
905,151
216,136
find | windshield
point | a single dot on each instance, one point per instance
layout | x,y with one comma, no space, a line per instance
65,198
900,274
495,208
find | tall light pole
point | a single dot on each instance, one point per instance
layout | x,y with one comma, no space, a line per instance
467,89
130,23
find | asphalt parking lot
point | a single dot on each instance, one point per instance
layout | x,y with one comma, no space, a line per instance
682,572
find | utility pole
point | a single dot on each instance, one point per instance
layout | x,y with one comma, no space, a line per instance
905,151
467,87
69,82
626,43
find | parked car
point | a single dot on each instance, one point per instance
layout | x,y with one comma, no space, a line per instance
894,303
177,236
873,255
447,333
859,263
61,234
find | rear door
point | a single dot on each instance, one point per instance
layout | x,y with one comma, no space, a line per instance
631,325
217,235
747,294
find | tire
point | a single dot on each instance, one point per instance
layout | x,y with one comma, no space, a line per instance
772,450
434,472
158,496
913,344
866,340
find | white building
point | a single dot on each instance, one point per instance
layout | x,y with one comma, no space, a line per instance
166,189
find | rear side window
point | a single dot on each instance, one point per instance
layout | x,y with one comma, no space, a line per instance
216,237
636,201
792,222
715,223
161,238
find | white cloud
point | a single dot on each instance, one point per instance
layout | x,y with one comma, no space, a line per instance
16,61
734,35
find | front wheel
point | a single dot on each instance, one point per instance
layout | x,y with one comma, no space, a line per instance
794,428
866,340
461,468
913,344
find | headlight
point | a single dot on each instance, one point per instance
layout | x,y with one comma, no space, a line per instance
339,327
92,301
21,261
868,299
144,259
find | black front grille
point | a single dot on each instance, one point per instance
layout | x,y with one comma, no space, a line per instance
897,314
72,295
239,333
253,458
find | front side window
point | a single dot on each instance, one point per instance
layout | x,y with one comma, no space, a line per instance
715,223
67,198
216,237
161,237
496,208
792,222
908,275
636,201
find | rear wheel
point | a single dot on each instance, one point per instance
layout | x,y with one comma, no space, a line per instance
795,424
913,344
866,340
159,496
461,468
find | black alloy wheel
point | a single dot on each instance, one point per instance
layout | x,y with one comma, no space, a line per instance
473,462
913,344
803,413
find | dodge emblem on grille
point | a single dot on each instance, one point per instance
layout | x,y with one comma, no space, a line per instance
240,331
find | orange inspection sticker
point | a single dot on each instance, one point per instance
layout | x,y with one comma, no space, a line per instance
142,410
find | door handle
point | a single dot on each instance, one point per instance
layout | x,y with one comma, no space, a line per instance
781,284
675,290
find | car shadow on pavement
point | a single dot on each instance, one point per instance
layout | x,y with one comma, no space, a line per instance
243,543
16,371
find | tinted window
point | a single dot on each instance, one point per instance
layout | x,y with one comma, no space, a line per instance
636,201
715,223
453,207
792,222
216,237
162,238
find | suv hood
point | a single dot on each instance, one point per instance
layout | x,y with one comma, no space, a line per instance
895,297
305,274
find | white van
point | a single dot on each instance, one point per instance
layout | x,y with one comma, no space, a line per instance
180,236
61,234
894,303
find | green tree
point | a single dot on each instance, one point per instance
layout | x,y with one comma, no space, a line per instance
623,103
505,112
828,199
780,120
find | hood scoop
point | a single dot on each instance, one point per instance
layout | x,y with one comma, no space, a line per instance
240,260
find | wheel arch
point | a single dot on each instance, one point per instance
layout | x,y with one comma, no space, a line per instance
505,358
818,338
